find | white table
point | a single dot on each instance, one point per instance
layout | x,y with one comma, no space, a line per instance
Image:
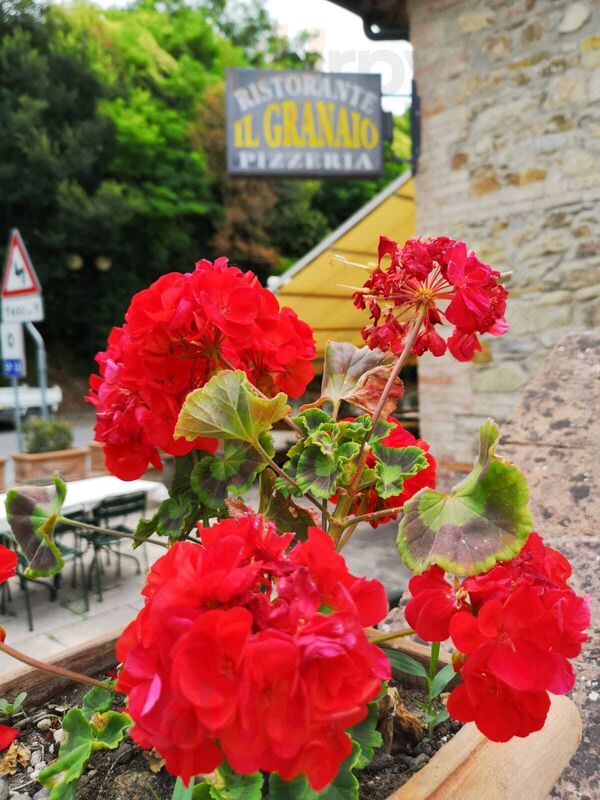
89,492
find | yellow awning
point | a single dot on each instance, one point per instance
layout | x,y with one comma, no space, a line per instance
313,287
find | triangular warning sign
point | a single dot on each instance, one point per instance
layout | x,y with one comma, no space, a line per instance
19,278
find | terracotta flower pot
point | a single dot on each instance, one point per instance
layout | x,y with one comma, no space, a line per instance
2,474
70,464
97,457
468,767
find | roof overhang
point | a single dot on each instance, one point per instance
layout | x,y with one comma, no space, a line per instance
382,19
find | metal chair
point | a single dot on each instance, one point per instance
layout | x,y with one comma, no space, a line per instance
5,593
73,553
111,508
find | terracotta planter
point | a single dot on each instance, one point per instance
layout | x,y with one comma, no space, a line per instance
2,474
70,464
469,767
97,457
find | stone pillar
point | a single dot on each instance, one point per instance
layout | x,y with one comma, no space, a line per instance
510,163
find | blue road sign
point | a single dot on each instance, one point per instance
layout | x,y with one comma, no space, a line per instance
13,367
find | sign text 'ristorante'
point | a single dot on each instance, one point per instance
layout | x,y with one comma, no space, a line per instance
303,123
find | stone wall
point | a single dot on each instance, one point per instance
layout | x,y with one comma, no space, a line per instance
510,163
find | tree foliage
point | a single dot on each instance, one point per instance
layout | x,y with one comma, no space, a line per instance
113,146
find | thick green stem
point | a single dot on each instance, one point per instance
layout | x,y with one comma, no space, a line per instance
433,662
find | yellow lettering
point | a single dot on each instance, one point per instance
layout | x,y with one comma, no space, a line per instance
325,115
290,123
369,135
309,132
343,137
355,129
272,131
242,132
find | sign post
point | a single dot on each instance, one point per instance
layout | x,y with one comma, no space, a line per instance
21,302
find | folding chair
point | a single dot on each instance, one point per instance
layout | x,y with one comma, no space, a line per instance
111,508
73,552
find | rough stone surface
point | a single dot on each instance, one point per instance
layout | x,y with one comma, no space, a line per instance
3,789
575,16
510,93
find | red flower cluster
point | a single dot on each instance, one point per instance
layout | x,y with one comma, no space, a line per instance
420,274
370,501
252,652
8,563
515,628
8,568
177,333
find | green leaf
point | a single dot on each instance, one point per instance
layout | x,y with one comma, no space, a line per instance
441,680
81,737
215,478
343,787
436,719
317,473
96,700
231,786
394,465
358,376
366,736
32,513
311,419
483,520
109,729
282,511
183,792
227,407
202,792
62,776
174,515
404,663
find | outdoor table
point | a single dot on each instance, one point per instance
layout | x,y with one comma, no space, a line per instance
89,492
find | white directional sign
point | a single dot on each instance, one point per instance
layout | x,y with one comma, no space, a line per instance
20,292
12,349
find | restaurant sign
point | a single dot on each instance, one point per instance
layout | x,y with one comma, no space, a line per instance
300,124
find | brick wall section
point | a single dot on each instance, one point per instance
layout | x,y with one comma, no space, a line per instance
510,163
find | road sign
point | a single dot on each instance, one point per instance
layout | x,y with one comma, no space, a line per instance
12,348
21,291
13,367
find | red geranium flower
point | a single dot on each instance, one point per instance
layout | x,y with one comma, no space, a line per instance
247,651
177,333
421,275
499,711
7,736
434,603
8,563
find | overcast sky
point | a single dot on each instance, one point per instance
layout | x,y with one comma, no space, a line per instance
344,45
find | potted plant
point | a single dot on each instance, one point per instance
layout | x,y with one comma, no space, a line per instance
254,662
2,473
48,449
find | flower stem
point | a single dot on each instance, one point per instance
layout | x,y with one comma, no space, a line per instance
402,358
282,474
52,668
107,531
388,637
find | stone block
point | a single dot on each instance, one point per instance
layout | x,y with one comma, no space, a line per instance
575,17
476,20
506,377
484,181
530,175
579,162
